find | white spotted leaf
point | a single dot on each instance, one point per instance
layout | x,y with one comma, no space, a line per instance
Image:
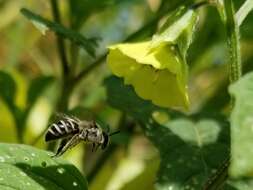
191,148
242,127
25,167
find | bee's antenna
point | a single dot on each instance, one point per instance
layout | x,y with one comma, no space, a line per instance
114,133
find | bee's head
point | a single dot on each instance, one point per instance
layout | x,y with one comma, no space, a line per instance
106,140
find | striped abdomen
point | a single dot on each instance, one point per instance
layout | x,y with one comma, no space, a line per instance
61,129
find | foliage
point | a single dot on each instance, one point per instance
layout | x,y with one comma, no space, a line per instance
87,44
187,147
8,93
24,167
241,127
165,55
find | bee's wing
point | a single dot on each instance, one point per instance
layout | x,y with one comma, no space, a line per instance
66,117
87,124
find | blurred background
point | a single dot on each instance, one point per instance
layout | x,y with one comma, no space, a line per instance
31,79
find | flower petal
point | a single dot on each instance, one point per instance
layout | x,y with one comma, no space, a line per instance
158,76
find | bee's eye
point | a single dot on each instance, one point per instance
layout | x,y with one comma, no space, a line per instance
106,140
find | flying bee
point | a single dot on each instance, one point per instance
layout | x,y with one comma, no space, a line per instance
72,131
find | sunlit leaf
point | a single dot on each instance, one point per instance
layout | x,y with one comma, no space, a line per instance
24,167
242,127
190,150
88,44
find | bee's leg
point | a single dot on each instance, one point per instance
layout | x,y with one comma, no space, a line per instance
96,148
68,144
93,147
62,144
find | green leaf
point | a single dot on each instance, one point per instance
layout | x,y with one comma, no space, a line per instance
36,88
7,88
188,160
243,184
242,127
122,97
88,44
24,167
190,150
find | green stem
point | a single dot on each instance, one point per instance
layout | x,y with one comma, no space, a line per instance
60,41
74,53
244,11
66,87
218,180
233,42
235,72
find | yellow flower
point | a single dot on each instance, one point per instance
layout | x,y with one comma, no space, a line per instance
159,76
157,68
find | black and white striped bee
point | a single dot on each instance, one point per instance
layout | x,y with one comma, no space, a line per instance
72,131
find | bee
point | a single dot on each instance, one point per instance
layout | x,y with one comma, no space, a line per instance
72,131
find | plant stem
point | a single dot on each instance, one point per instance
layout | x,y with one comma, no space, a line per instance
218,180
235,72
89,68
243,11
66,88
74,54
60,41
233,42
